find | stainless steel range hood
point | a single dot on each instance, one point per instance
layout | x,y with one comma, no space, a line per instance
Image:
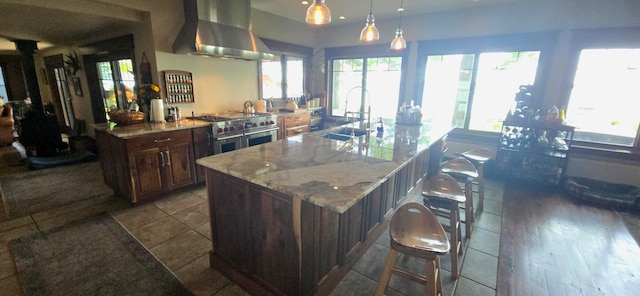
220,28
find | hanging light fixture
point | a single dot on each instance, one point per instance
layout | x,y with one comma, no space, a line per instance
399,43
318,14
370,32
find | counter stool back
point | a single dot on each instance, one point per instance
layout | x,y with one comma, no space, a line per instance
465,172
478,157
416,232
443,196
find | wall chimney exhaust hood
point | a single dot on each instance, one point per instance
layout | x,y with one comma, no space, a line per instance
219,28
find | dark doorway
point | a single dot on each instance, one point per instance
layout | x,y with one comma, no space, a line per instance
60,93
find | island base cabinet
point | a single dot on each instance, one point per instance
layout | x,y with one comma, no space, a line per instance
271,243
146,167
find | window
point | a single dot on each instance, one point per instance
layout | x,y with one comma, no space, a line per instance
117,82
285,76
604,101
480,102
359,83
3,87
471,83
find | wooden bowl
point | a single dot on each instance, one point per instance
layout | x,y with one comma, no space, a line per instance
126,117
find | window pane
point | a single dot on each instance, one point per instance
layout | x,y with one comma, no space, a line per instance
295,76
499,77
272,78
3,88
383,87
447,83
346,75
604,103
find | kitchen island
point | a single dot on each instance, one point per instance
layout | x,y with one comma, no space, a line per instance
142,162
293,216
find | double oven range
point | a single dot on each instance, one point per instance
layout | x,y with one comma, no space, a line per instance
234,131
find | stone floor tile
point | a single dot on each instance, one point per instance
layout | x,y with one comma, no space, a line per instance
194,216
180,250
111,206
178,202
65,218
232,290
200,278
467,287
159,231
356,284
16,222
15,233
485,241
48,214
11,286
7,265
138,216
204,230
489,222
372,262
480,267
200,191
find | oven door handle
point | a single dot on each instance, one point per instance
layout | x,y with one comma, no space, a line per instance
261,131
226,138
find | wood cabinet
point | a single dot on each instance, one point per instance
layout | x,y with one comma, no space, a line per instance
202,147
295,124
145,167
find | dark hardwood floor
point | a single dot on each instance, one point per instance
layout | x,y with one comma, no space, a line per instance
551,245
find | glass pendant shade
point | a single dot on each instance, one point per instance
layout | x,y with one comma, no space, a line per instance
370,32
398,43
318,14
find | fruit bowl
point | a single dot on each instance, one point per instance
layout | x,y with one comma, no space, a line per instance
126,117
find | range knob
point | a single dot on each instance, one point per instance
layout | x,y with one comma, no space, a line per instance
219,129
262,123
233,128
271,122
226,129
255,124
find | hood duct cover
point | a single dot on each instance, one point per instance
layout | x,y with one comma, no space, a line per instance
220,28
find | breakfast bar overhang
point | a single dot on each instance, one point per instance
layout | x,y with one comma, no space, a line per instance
293,216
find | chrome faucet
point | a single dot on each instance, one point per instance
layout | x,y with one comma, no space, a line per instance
361,112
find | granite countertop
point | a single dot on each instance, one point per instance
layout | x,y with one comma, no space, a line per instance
328,173
128,131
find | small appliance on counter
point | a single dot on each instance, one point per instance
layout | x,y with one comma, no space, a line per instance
291,105
248,108
261,106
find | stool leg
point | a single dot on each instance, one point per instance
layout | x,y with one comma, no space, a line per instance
456,245
468,208
480,188
438,276
386,272
433,278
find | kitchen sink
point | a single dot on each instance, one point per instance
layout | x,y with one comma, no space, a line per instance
344,134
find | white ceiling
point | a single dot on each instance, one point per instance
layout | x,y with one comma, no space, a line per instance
48,23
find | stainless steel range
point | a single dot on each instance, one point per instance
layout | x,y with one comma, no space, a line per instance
233,131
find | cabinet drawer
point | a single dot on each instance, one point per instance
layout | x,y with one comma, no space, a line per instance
158,140
296,130
297,119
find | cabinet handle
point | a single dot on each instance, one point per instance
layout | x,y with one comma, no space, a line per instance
163,140
168,158
162,158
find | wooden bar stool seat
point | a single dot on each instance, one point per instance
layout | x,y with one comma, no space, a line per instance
465,172
443,196
478,157
416,232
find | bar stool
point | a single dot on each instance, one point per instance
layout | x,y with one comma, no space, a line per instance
416,232
443,196
478,157
465,172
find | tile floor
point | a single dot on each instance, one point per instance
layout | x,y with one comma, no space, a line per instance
176,230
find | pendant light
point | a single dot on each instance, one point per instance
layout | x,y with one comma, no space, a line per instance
318,13
370,32
399,43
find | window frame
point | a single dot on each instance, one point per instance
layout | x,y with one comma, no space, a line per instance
624,37
363,52
544,42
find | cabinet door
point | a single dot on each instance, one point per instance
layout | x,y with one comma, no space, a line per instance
202,147
146,173
179,165
281,127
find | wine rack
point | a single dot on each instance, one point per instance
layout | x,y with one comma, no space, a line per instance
534,150
179,86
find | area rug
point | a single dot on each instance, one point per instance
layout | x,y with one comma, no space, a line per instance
25,193
632,221
94,256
